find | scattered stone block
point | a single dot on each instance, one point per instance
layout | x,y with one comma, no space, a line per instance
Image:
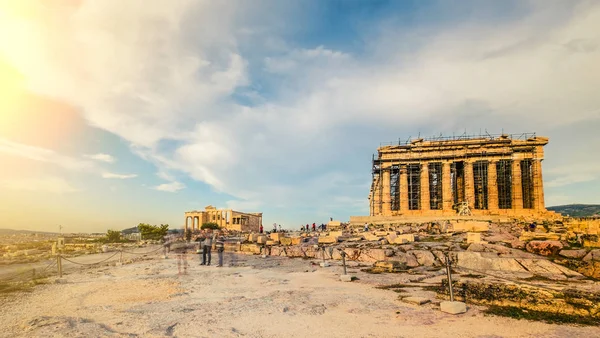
370,237
390,266
262,239
573,253
253,237
473,237
403,239
453,307
276,236
381,233
327,240
296,240
335,233
416,300
346,278
544,248
271,242
286,241
324,264
470,226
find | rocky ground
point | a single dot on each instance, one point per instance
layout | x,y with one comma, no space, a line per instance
261,297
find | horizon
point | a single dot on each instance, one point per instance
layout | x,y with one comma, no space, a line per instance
119,113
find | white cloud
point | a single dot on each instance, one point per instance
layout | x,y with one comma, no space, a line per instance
172,81
101,157
48,184
170,187
44,155
118,176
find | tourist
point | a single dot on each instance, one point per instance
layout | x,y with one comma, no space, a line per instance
206,247
366,227
532,226
261,229
314,227
302,228
220,246
307,227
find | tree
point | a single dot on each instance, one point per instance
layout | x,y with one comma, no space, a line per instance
153,231
213,226
113,236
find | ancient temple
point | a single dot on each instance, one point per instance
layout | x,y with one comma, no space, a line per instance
465,175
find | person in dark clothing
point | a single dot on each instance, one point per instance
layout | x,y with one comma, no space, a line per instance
220,246
206,247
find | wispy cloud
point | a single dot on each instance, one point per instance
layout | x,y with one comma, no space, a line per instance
44,155
170,187
48,184
118,176
101,157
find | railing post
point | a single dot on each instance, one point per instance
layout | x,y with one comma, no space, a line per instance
449,278
59,265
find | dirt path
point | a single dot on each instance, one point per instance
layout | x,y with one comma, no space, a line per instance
273,297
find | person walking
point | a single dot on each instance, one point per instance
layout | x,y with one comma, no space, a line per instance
206,247
261,229
314,227
220,246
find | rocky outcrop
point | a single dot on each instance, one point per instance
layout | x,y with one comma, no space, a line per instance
576,254
544,248
488,262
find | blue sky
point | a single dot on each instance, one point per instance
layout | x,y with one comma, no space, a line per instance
117,112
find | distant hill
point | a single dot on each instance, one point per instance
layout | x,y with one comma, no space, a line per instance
133,230
11,232
577,210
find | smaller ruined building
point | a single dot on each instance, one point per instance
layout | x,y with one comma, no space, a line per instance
225,218
464,175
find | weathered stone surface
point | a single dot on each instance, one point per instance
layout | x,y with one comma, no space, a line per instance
276,236
573,253
470,226
593,255
424,257
473,237
370,237
296,240
416,300
271,242
506,238
530,236
390,266
327,240
544,248
261,239
453,307
408,258
590,269
335,234
345,278
485,247
389,252
286,241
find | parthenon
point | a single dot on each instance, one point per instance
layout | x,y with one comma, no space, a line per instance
475,175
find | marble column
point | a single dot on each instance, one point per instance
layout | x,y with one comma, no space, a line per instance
425,202
403,189
387,198
538,186
492,185
469,184
517,189
446,187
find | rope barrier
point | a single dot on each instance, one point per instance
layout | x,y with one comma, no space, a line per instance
142,253
102,261
15,276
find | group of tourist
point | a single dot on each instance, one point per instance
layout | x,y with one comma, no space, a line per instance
205,241
314,227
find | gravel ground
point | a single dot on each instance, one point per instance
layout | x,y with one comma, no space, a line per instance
272,297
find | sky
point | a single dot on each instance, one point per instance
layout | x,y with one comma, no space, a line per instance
114,113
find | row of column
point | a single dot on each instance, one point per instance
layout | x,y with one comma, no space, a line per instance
469,187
